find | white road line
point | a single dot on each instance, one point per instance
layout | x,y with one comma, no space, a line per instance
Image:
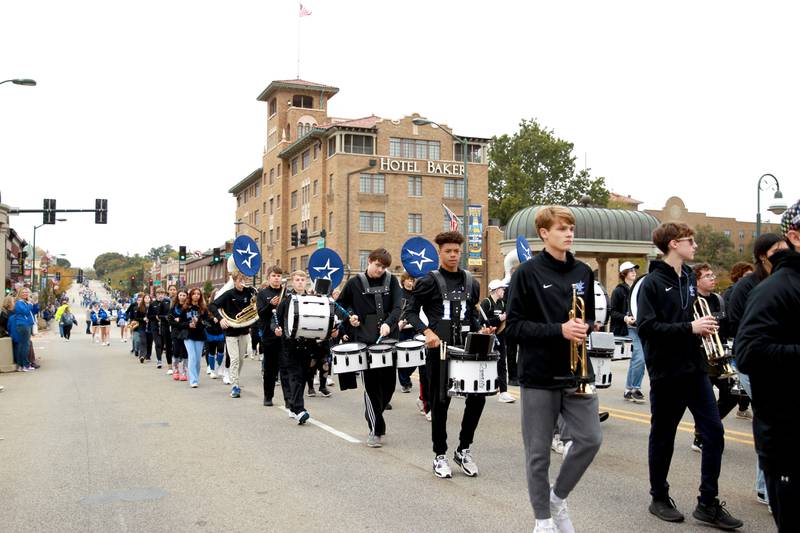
332,431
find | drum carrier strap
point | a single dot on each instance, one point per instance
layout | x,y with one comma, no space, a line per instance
378,292
451,302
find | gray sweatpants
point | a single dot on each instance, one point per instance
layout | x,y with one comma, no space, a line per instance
540,409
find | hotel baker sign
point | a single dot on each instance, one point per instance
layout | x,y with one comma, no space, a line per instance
417,167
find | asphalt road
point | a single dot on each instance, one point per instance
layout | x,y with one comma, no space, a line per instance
95,441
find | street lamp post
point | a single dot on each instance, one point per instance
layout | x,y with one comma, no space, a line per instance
778,205
21,81
260,243
33,254
464,151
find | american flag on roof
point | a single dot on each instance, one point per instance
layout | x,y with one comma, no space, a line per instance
304,12
453,218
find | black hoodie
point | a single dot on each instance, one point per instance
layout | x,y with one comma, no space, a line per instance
664,318
620,308
540,298
768,350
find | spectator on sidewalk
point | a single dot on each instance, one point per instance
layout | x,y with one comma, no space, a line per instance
21,329
5,315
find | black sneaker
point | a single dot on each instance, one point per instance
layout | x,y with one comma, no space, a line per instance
697,444
665,509
311,392
388,407
603,416
405,388
628,396
325,392
638,397
715,514
267,403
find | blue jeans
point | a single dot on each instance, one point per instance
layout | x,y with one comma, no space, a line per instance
23,345
761,483
195,351
636,366
60,329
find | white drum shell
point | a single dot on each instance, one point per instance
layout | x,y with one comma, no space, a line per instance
349,357
380,356
602,372
309,317
623,348
472,377
410,354
601,304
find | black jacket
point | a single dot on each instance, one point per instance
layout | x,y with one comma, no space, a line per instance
265,311
197,333
540,299
428,297
768,349
664,320
356,302
294,348
620,308
493,309
233,302
738,301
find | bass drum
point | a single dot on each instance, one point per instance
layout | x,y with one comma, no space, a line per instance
601,304
634,297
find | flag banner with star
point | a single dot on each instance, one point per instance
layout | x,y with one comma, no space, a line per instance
326,264
523,249
419,256
246,255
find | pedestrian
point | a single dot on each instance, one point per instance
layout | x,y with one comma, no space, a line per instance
267,302
88,317
95,317
104,323
194,315
623,324
21,322
5,314
179,334
122,322
494,309
140,315
215,346
66,321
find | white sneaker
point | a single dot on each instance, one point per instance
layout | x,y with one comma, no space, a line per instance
169,371
465,461
560,515
212,375
505,397
428,416
441,468
226,377
208,371
421,407
557,446
545,526
329,382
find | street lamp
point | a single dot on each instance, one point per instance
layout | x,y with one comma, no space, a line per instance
260,243
33,255
21,81
778,205
419,121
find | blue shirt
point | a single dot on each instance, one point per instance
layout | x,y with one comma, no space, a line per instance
23,313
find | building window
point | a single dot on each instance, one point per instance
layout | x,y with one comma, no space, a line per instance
371,221
454,188
330,184
363,259
314,225
293,263
332,146
305,191
278,203
741,235
271,176
256,218
474,152
292,229
727,233
273,106
278,234
372,184
316,151
280,170
415,185
415,222
271,237
264,207
316,187
741,249
271,206
330,222
294,199
359,144
303,262
301,100
294,166
446,224
257,189
238,200
414,148
306,159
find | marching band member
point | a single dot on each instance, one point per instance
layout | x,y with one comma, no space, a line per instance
140,315
233,302
768,345
406,330
192,320
267,302
374,298
623,324
677,368
295,354
95,321
122,323
215,343
538,318
154,313
448,324
494,307
163,318
179,334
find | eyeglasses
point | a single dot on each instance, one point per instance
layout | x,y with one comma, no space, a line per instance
708,276
689,239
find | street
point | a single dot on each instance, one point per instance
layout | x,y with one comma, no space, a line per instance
95,441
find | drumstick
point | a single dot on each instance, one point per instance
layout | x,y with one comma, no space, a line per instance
342,309
485,318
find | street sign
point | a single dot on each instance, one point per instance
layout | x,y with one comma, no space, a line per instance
321,243
157,282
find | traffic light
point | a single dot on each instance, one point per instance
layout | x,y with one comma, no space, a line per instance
304,237
100,211
216,257
58,276
80,275
182,253
49,212
294,238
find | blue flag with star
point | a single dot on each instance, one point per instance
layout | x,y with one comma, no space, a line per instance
326,264
523,249
419,256
246,255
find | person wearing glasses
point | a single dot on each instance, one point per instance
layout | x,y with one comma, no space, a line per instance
677,365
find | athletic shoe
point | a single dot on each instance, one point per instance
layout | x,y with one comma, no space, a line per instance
176,376
193,385
428,416
405,388
388,407
545,526
184,377
158,365
557,445
603,416
697,444
267,403
226,378
505,397
26,369
302,417
421,407
212,375
35,366
761,498
716,515
141,359
465,461
628,396
208,370
441,468
638,397
325,392
329,382
373,441
235,392
169,371
2,388
665,509
311,392
746,414
560,515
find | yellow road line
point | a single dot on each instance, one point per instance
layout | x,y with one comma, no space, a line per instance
684,429
690,424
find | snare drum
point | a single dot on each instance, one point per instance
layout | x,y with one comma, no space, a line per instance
410,354
309,317
420,338
471,373
623,348
380,355
349,357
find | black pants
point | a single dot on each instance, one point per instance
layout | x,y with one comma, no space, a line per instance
67,330
511,359
669,399
88,327
293,366
502,368
318,364
782,488
178,349
148,344
726,401
379,386
271,350
158,341
255,340
439,406
166,341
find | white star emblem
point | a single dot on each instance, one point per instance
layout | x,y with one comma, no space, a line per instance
422,259
247,251
326,268
526,254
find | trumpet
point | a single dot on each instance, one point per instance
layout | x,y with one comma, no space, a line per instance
712,345
578,358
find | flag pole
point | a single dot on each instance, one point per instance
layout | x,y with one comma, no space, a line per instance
299,7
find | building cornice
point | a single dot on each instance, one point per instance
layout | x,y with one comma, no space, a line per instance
246,182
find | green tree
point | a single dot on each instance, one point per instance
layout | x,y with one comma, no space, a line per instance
207,288
160,252
714,248
108,261
532,167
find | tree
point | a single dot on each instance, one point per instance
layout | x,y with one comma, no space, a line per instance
207,288
535,167
713,247
108,261
161,252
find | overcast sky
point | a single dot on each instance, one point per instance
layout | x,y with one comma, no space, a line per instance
152,104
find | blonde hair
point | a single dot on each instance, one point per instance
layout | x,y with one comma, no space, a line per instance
8,303
547,216
300,273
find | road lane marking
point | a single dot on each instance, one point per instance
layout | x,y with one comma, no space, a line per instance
690,424
326,427
680,428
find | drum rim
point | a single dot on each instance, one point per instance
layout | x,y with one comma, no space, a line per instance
405,344
380,348
359,346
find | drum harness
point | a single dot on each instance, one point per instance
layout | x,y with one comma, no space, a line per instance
449,329
378,292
